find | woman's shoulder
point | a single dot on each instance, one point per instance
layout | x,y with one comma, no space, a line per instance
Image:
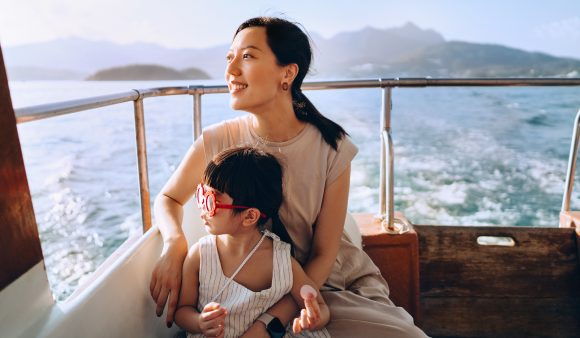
314,136
340,158
345,144
225,134
226,125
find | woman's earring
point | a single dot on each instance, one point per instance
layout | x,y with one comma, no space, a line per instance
285,86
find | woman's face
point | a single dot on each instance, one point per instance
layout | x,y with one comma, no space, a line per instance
252,73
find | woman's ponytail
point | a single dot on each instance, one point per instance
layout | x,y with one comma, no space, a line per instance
307,112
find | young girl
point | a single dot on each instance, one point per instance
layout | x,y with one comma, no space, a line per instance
234,275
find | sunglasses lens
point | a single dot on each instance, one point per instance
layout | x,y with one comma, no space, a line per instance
199,196
210,203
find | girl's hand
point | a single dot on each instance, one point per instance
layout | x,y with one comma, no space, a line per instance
166,278
212,319
310,318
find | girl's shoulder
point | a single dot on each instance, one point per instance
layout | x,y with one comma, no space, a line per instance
200,245
193,257
277,243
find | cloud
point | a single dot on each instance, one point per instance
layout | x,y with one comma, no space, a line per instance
566,29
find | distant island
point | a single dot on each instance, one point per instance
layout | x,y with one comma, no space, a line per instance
147,73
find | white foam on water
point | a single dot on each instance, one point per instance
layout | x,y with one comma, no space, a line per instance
358,175
489,184
548,175
455,193
132,224
362,199
426,163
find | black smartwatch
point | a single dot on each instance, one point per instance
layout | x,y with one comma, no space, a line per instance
273,325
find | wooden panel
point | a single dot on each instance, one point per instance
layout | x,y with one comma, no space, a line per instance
501,317
19,244
529,290
397,256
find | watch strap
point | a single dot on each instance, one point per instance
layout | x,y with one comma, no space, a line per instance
266,318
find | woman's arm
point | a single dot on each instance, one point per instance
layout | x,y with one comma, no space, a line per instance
166,277
329,229
315,313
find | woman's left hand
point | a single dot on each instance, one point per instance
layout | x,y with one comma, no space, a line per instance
310,318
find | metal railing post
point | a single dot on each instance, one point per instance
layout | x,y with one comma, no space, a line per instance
571,165
196,114
389,219
386,157
387,176
142,164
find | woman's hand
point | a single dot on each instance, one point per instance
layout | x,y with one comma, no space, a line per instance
166,277
312,317
212,320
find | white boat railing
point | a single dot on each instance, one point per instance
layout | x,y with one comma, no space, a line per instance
386,189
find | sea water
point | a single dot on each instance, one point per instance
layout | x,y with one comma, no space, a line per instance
472,156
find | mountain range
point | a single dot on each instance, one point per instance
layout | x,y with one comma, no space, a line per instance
370,52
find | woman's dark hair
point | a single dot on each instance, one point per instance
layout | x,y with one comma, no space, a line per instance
291,45
252,178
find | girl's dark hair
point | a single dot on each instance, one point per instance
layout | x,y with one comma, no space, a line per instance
291,45
252,178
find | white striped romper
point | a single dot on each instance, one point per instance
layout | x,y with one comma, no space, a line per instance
244,305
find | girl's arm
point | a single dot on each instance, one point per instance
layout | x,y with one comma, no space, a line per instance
325,245
186,315
166,277
210,321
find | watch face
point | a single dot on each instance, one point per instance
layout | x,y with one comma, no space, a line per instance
276,329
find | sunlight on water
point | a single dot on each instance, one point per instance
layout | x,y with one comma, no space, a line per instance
462,156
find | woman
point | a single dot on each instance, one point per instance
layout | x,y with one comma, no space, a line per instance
267,62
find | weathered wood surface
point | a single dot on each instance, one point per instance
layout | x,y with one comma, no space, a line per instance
529,290
19,243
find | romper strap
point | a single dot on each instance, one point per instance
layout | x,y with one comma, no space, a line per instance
239,268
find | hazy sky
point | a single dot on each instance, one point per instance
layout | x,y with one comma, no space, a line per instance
548,26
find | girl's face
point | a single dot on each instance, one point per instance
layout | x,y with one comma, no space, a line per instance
252,73
224,221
